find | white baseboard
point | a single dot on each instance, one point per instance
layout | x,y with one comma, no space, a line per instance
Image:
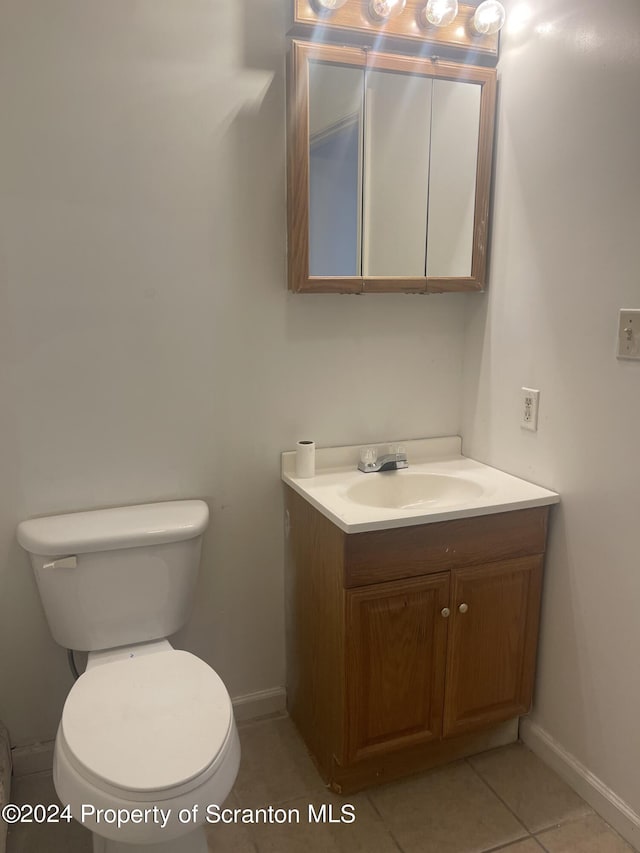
592,789
259,704
34,758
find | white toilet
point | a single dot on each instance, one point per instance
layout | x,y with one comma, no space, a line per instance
146,727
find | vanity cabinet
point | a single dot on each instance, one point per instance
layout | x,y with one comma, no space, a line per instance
407,647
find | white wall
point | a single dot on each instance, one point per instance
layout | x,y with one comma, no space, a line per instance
148,346
565,255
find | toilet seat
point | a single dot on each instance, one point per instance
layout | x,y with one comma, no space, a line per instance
152,725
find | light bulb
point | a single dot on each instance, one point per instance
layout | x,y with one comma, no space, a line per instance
385,9
440,13
330,5
489,17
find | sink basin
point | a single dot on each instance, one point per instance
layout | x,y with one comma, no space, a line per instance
402,490
439,485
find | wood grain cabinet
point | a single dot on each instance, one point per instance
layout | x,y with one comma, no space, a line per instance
492,643
396,643
406,647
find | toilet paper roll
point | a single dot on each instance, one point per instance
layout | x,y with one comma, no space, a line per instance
306,459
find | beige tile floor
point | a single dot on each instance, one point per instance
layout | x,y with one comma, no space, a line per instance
506,800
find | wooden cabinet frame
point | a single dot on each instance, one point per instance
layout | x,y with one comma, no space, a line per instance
298,169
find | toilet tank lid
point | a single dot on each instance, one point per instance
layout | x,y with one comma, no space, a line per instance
110,529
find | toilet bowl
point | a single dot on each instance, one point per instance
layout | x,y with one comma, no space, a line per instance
151,727
147,741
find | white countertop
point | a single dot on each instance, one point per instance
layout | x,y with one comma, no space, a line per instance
492,491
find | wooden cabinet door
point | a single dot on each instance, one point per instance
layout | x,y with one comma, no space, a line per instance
396,639
492,643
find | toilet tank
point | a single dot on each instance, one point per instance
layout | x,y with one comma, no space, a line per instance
112,577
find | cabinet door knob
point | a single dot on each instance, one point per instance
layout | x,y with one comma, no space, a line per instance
445,612
463,608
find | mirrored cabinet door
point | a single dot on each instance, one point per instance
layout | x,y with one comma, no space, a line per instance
336,99
396,168
452,181
389,166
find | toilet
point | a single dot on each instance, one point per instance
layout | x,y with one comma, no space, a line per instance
147,740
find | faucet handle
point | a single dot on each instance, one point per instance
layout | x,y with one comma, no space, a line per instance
368,456
399,450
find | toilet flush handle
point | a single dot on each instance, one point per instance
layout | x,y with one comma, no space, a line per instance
62,563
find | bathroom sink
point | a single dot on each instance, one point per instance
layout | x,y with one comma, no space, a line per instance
406,490
440,484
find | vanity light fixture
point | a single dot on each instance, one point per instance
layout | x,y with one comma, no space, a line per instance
489,17
382,10
462,25
439,13
329,5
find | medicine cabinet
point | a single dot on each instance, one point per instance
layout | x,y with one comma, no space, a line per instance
389,171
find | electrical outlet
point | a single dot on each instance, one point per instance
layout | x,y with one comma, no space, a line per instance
628,333
529,409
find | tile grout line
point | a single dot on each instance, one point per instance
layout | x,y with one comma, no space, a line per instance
384,823
574,819
326,790
534,833
544,847
577,819
506,846
527,835
373,806
394,839
497,795
283,803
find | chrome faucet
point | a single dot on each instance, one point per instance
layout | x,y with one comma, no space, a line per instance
388,462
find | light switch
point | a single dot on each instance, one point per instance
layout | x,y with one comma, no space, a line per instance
629,333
